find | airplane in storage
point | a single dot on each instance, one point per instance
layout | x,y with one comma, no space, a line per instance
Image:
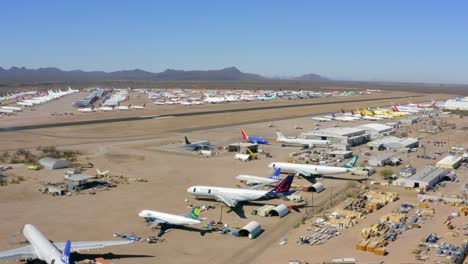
205,144
309,170
253,180
52,252
255,140
233,196
159,218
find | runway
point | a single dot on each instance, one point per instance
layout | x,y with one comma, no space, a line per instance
210,112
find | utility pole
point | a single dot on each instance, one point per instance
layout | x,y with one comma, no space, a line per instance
312,198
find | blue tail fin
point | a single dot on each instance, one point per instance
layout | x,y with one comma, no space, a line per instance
276,175
66,253
333,115
284,185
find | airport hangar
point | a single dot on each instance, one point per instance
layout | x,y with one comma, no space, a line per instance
351,136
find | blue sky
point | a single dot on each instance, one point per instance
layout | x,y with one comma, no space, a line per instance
360,40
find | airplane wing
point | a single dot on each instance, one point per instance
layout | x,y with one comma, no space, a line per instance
229,200
88,245
18,253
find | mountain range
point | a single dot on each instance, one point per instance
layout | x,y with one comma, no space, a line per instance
22,74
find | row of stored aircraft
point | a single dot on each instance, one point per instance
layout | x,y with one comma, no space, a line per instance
111,108
44,97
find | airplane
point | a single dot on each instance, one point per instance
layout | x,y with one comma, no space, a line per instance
138,107
266,98
6,111
13,108
253,180
380,115
300,141
255,140
25,103
406,109
197,145
370,117
122,107
321,119
232,196
159,218
102,173
430,106
344,118
52,252
86,110
308,170
105,108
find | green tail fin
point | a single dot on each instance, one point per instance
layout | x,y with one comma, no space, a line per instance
194,213
351,163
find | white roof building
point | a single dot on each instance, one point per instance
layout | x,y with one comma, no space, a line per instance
377,129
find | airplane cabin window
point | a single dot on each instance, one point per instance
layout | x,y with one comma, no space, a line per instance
194,189
209,190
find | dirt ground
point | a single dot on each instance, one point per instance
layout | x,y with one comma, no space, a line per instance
131,149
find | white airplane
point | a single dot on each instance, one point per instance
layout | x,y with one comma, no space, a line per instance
25,103
105,108
86,110
321,119
370,117
214,100
158,218
51,252
312,170
122,107
406,109
14,108
6,111
102,173
253,180
344,118
232,196
300,141
138,107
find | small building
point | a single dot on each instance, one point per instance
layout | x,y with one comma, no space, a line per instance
339,135
318,187
450,162
241,147
341,154
280,210
77,181
264,210
425,178
385,159
407,172
53,163
376,129
393,143
252,230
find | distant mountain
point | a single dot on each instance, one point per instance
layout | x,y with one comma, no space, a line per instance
311,77
15,74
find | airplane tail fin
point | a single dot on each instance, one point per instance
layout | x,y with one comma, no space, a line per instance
66,253
352,112
244,135
195,213
333,115
276,175
351,163
284,185
342,111
187,141
395,108
279,135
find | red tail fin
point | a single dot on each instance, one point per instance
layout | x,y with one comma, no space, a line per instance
244,135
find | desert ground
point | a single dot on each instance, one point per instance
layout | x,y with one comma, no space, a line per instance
134,150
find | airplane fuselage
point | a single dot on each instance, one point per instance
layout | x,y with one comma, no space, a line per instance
45,250
169,218
307,169
213,192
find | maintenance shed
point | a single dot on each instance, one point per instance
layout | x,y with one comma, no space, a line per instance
427,177
77,181
339,135
280,210
252,230
407,172
450,162
241,147
264,210
385,159
392,142
341,154
318,187
53,163
376,129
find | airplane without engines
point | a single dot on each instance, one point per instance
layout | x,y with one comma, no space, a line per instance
309,170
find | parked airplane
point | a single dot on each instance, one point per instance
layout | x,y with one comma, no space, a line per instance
407,110
313,170
13,108
255,140
6,111
370,117
51,252
321,119
138,107
86,110
197,145
344,118
300,141
253,180
232,196
160,218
